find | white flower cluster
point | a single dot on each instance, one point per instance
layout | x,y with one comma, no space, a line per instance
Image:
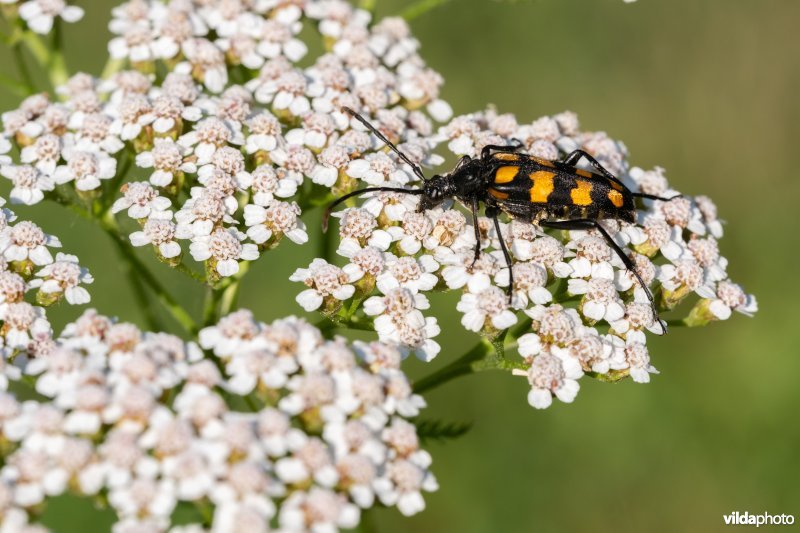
146,421
224,161
27,267
40,15
588,313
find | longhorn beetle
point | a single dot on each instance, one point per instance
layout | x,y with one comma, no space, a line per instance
551,194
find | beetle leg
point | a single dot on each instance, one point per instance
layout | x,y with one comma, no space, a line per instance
474,207
461,162
485,152
492,213
576,155
587,224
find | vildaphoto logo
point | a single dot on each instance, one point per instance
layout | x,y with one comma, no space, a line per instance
765,519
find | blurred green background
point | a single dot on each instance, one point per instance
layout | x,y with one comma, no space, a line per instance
706,88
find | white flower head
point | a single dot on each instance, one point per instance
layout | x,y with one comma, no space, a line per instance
27,241
142,201
39,14
324,281
223,249
30,184
86,169
66,276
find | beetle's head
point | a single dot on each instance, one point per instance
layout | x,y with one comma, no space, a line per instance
437,190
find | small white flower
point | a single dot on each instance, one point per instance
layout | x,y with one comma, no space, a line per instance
594,258
65,275
45,153
409,273
39,14
411,331
205,210
264,133
86,169
729,296
206,62
274,221
136,44
5,147
636,358
324,281
159,233
207,137
550,375
22,322
224,249
487,306
530,280
601,300
402,485
142,202
287,93
25,241
134,112
377,169
277,39
396,303
461,269
167,158
267,184
29,184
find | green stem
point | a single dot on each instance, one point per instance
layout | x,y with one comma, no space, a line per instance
367,523
206,514
252,403
58,71
213,297
140,293
420,8
111,67
325,246
229,298
52,62
19,89
109,224
60,196
325,325
187,271
520,329
367,5
122,173
466,364
677,323
23,69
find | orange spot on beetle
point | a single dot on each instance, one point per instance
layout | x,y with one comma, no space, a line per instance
581,195
504,156
543,162
500,195
584,173
616,198
542,186
505,174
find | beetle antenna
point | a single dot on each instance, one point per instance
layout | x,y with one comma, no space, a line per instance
381,136
327,214
654,197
